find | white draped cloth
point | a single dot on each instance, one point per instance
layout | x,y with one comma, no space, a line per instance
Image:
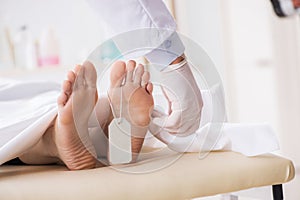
28,108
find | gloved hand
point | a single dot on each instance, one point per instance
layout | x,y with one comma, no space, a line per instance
185,102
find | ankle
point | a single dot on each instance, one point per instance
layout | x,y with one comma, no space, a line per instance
43,152
48,141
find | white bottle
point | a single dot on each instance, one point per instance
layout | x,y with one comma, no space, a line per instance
24,49
6,51
48,54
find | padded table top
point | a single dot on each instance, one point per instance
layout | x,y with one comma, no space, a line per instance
165,177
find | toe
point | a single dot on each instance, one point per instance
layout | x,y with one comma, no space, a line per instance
71,76
90,74
67,87
138,74
145,79
130,68
149,88
117,73
77,69
62,99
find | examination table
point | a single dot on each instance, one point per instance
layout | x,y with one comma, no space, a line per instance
184,176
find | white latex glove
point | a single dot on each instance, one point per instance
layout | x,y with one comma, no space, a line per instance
185,102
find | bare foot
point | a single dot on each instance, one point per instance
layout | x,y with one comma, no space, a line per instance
137,92
137,100
75,105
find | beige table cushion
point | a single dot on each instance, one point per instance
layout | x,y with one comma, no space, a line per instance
179,178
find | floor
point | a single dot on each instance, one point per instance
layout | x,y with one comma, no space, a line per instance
291,192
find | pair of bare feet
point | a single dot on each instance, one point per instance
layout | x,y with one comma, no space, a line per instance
68,140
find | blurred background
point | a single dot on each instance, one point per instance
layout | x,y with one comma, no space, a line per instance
256,53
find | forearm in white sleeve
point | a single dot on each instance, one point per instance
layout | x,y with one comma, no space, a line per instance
124,16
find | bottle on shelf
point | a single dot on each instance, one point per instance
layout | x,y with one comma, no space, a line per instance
24,49
6,50
48,49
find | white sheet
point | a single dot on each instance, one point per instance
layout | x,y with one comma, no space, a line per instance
27,109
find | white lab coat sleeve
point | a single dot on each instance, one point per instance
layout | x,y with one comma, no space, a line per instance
121,16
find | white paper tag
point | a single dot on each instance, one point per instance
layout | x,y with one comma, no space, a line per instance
119,135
